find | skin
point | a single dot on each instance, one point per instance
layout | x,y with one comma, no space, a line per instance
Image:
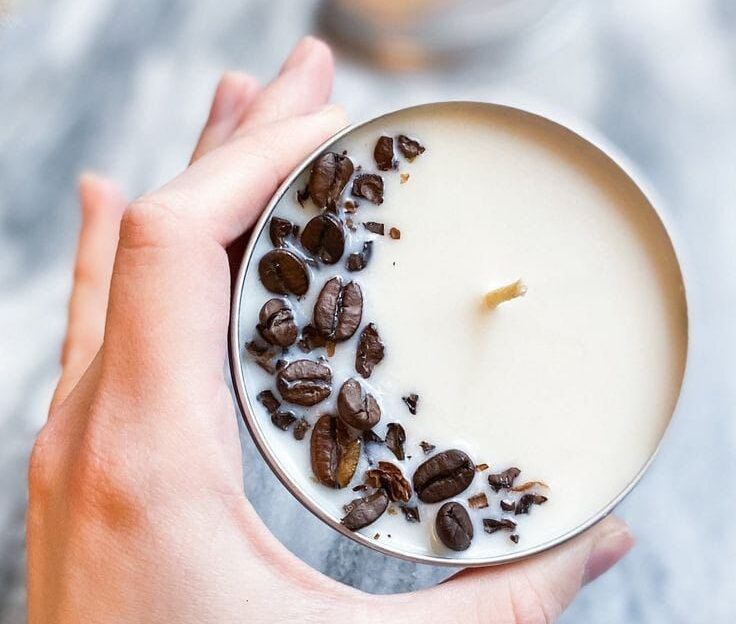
137,511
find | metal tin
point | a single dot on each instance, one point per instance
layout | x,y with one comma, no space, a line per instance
235,342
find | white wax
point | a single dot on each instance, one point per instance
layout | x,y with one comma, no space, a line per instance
574,383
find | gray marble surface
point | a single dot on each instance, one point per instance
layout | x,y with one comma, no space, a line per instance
122,87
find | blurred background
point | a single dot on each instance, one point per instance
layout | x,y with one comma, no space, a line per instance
122,87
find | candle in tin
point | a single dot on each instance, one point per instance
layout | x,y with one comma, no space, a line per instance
469,311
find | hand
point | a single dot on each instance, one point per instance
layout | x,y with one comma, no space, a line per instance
137,511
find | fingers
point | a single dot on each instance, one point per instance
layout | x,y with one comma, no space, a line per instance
170,285
102,205
235,92
535,590
302,86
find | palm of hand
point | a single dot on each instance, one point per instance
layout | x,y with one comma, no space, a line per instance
136,510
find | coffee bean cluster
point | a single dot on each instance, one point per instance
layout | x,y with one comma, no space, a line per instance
338,441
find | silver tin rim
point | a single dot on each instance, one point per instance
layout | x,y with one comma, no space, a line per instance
261,442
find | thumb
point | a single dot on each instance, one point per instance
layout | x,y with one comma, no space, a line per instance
533,591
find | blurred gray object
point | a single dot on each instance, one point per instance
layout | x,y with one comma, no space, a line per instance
415,34
122,87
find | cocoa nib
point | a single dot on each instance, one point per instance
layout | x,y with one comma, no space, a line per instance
390,478
383,153
283,420
359,260
525,502
311,339
491,525
478,501
369,186
507,505
262,354
503,480
330,173
300,429
395,438
427,448
370,351
278,230
410,148
411,402
411,513
269,401
374,227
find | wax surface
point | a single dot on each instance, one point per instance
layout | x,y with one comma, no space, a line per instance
574,383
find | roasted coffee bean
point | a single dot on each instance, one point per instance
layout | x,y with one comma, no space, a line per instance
395,438
334,452
370,351
300,428
278,230
330,173
453,526
262,354
374,227
409,147
358,411
411,402
338,310
411,513
478,501
361,512
311,339
304,382
269,401
427,448
491,525
503,480
525,502
383,153
324,237
507,505
277,324
283,420
390,478
369,186
359,260
443,476
283,272
394,233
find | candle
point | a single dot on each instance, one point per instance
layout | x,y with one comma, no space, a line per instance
549,404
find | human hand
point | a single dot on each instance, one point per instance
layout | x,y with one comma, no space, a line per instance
136,510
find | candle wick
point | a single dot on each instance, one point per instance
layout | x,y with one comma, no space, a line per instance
497,296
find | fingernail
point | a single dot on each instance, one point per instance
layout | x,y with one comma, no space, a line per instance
228,96
607,551
301,52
